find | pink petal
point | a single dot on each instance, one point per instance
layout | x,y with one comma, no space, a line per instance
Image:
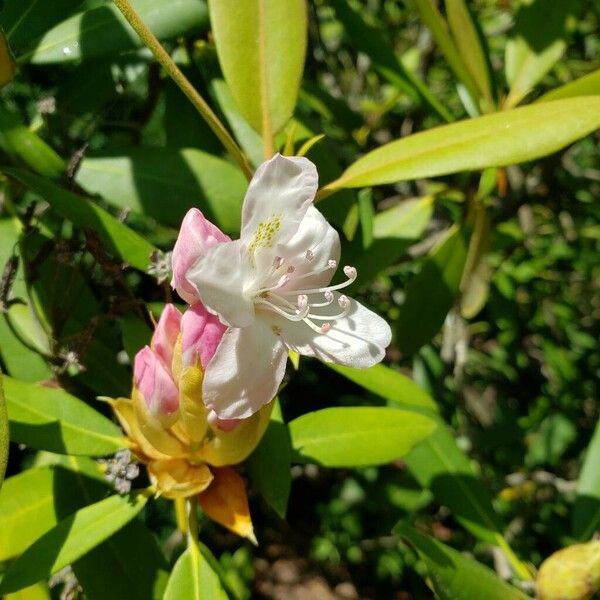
196,236
155,384
201,333
165,334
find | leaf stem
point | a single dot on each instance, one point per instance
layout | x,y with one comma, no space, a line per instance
163,57
192,525
520,569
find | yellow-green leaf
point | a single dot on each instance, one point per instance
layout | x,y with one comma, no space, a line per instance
588,85
3,434
261,46
496,140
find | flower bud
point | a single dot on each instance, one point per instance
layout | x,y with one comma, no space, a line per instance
196,236
155,384
201,333
165,334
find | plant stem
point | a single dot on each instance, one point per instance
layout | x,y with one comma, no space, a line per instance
192,525
163,57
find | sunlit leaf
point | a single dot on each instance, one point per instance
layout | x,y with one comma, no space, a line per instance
453,575
495,140
193,579
357,436
50,419
586,512
261,46
70,539
588,85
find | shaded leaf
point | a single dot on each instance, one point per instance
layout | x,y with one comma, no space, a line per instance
116,237
453,575
432,293
269,465
70,539
3,434
495,140
165,183
261,46
357,436
103,31
50,419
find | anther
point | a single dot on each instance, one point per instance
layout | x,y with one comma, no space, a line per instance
328,295
277,262
309,255
344,302
332,264
325,327
291,269
302,302
350,272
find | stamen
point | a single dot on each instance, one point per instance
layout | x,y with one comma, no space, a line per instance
328,297
332,264
344,302
325,327
350,272
302,302
277,262
291,269
299,316
309,255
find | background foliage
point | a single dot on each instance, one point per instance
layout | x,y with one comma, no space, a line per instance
477,240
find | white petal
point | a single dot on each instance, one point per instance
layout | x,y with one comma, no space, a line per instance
357,340
219,277
277,199
245,372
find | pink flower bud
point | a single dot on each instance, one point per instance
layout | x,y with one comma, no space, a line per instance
165,334
155,384
222,424
196,236
201,333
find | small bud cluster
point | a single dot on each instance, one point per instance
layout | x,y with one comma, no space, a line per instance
120,471
160,266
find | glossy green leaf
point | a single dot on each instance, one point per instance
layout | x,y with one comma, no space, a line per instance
50,419
586,512
70,539
103,31
269,465
455,576
439,465
357,436
469,46
496,140
432,293
117,238
537,43
261,46
388,384
3,434
20,142
373,42
439,30
588,85
26,20
193,579
39,591
394,230
165,183
29,505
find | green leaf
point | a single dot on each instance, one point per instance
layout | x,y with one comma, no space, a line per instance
586,512
469,46
357,436
50,419
373,42
3,434
261,46
438,465
165,183
537,43
453,575
117,238
30,504
439,30
39,591
193,579
388,384
103,30
25,20
588,85
269,465
551,440
70,539
19,141
496,140
432,293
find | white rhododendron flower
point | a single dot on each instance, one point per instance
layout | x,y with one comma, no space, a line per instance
272,289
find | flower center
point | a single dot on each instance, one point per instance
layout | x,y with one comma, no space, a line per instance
305,305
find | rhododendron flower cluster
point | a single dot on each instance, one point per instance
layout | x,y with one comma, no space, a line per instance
272,290
186,449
